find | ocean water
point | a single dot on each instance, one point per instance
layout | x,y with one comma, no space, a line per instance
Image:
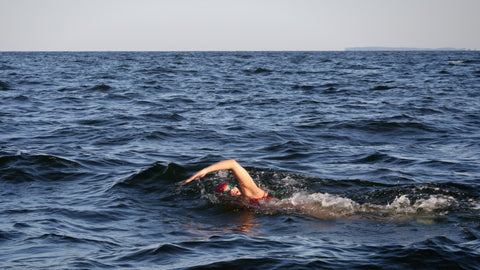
373,158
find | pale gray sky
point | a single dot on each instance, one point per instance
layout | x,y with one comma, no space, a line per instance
166,25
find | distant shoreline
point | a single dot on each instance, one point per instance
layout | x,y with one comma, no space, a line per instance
403,49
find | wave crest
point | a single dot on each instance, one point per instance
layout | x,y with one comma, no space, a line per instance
24,168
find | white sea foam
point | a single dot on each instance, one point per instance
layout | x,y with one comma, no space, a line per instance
456,61
325,204
403,204
323,200
475,205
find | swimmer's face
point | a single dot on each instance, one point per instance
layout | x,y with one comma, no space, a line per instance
232,190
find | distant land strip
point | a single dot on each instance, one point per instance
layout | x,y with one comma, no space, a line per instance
403,49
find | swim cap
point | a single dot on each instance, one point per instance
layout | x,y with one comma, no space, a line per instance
221,187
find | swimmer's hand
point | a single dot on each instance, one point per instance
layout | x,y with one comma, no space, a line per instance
196,176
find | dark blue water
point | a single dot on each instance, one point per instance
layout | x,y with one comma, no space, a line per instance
374,159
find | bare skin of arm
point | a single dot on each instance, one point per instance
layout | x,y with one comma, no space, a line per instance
248,187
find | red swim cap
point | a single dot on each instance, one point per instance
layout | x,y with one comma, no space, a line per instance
221,187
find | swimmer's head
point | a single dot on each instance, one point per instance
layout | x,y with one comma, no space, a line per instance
226,188
223,187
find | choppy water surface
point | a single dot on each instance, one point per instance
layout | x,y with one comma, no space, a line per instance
373,157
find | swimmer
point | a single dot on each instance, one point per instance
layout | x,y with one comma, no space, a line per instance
247,189
251,195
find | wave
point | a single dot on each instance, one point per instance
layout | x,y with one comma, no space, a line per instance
293,193
382,88
4,86
260,253
101,87
309,195
387,126
258,70
61,238
154,179
376,157
303,87
396,124
155,253
22,168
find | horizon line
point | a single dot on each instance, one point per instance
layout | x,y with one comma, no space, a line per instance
347,49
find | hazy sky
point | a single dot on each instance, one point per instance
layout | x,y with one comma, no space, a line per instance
162,25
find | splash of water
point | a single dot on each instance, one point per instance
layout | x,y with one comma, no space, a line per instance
325,205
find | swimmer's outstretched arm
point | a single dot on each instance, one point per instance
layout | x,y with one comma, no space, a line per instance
247,185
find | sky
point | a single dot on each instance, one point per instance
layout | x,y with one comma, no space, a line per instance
219,25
